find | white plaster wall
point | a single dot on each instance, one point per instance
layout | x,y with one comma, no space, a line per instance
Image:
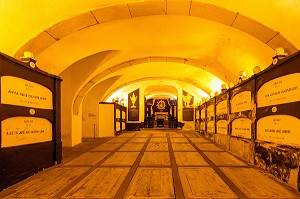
66,110
76,129
142,104
179,104
90,115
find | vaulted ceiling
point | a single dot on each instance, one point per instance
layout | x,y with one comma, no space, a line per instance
188,42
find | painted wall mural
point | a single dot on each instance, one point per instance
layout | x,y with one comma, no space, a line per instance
187,106
133,105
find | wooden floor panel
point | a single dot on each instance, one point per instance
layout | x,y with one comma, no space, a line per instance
107,147
118,139
203,182
208,147
159,140
151,183
176,135
156,159
88,158
189,159
121,159
195,139
101,183
138,139
142,135
192,135
175,139
224,159
157,147
256,184
182,147
159,135
127,135
132,147
48,184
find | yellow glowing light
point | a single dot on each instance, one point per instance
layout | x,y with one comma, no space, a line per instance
202,93
216,85
118,94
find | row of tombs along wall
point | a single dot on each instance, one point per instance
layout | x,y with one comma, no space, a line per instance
30,137
258,120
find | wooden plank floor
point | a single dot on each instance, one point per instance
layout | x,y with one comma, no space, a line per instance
157,146
203,183
151,183
101,183
150,164
183,147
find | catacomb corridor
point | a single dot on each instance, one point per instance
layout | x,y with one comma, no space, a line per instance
149,99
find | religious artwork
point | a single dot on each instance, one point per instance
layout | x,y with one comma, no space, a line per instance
188,100
133,99
133,106
161,105
187,106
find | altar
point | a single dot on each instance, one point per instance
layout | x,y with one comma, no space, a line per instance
160,118
161,115
160,122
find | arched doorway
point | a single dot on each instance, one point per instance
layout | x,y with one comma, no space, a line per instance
161,109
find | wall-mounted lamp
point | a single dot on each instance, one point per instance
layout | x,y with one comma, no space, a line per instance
243,76
223,88
280,54
199,102
122,101
256,70
28,58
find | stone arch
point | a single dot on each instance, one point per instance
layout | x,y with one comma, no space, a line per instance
227,78
93,17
